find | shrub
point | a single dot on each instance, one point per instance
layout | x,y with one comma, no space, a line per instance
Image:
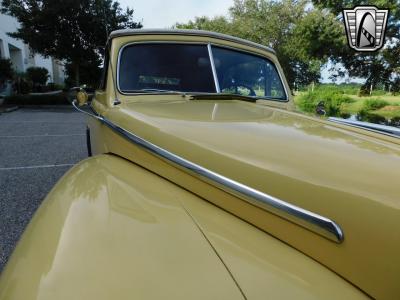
6,70
367,116
395,122
22,84
374,104
344,88
378,93
37,75
349,88
332,98
396,87
364,91
58,99
55,87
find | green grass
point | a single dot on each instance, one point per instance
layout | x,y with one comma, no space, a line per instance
374,104
384,105
386,97
351,108
331,97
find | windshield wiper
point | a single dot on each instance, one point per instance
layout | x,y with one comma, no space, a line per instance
223,96
197,95
154,91
163,91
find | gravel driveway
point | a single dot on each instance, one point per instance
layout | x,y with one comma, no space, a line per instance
37,146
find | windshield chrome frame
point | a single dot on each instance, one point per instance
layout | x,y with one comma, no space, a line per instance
214,70
209,46
149,43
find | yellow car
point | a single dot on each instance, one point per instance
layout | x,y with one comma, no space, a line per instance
205,184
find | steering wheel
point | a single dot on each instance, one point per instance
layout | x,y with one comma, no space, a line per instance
236,86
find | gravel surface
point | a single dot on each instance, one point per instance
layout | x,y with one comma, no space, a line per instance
37,146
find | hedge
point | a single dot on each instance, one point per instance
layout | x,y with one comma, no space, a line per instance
58,99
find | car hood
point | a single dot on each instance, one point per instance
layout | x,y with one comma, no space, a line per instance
260,139
106,232
348,175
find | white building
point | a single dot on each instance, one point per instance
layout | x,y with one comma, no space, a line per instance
21,56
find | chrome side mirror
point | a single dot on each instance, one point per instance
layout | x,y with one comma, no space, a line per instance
82,97
320,108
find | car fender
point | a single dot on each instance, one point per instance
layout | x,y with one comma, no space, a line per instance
110,229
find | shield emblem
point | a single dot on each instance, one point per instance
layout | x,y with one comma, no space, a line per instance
365,27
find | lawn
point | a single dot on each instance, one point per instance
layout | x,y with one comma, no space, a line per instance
389,110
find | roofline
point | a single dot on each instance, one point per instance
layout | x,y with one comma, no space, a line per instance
189,32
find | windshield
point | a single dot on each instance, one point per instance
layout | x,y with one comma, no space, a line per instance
246,74
167,67
175,67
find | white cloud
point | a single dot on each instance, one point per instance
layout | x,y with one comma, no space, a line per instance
164,14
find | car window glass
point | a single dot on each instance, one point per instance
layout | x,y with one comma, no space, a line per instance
177,67
246,74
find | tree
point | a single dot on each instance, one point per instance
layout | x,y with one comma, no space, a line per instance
73,31
6,70
37,75
381,67
303,38
88,74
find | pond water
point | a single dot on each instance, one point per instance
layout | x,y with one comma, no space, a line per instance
373,118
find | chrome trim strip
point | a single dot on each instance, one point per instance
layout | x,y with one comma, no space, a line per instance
307,219
381,129
120,50
189,32
200,43
78,108
214,70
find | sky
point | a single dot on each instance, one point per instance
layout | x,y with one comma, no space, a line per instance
165,13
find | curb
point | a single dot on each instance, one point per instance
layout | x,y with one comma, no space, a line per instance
44,106
9,109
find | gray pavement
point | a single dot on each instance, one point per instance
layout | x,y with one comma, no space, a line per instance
37,146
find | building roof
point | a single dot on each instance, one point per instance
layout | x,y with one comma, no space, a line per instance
190,32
